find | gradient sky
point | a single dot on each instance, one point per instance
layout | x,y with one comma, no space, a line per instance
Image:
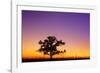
73,28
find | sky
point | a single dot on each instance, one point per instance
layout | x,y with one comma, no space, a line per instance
73,28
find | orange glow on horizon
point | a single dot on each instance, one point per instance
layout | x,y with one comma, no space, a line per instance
33,53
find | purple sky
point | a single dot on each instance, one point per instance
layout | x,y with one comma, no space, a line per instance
35,22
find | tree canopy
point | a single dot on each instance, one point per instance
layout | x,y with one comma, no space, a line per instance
49,46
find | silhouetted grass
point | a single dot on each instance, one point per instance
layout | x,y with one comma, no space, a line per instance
54,59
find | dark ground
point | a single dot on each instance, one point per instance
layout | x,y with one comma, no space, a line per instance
54,59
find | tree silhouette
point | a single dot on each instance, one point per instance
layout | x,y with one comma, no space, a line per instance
49,46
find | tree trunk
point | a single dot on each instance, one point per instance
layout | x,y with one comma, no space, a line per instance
50,56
